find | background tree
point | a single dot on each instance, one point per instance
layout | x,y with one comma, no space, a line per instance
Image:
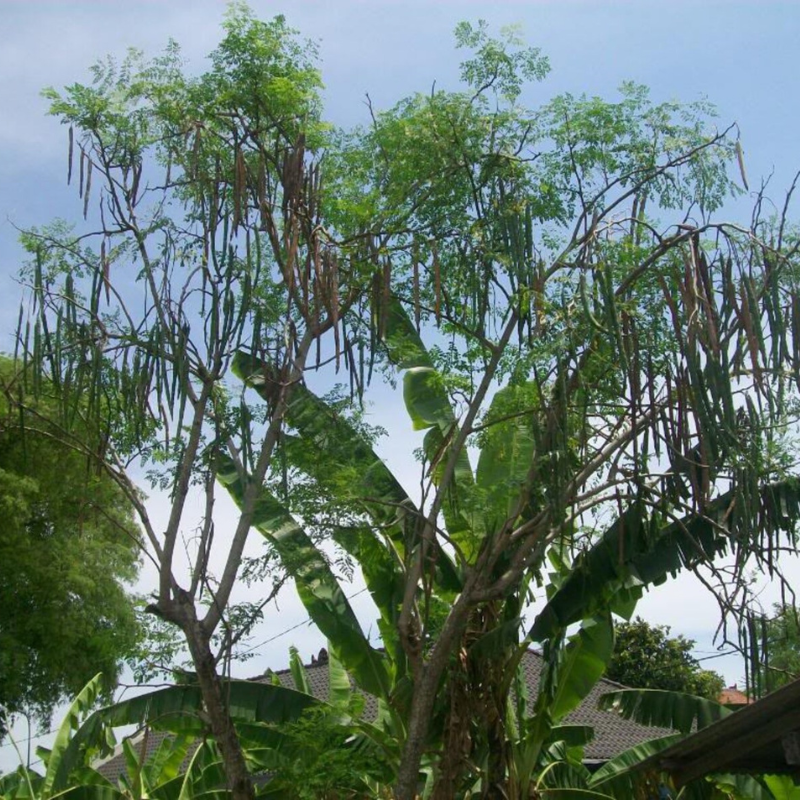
69,550
782,646
646,657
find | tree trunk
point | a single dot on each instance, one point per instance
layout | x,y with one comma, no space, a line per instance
424,695
219,718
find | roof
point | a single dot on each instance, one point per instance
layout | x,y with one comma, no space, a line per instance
612,733
762,737
733,696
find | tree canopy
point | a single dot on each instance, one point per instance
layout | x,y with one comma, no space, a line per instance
647,657
69,551
602,367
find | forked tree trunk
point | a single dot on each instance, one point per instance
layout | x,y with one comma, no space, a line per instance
219,719
426,683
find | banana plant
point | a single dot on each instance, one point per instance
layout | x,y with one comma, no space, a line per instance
384,532
623,775
389,532
70,764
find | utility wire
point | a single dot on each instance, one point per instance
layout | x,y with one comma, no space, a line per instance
300,624
29,739
718,655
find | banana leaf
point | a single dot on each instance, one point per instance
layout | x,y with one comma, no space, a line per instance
350,463
428,405
317,586
298,670
176,709
91,792
59,761
506,453
339,690
620,775
350,468
385,579
637,550
584,662
664,709
782,787
572,735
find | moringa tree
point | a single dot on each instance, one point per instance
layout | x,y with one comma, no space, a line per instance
646,351
620,371
201,199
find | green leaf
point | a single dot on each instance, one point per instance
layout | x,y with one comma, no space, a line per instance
782,787
298,671
317,586
347,451
619,771
663,709
572,735
59,762
496,640
428,405
636,550
339,689
90,792
177,709
507,451
385,579
744,787
583,664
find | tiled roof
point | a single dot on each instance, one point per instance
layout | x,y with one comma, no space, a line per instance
732,696
612,733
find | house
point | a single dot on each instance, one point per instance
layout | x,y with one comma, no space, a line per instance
733,696
612,733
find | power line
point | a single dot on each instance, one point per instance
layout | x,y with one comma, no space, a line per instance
300,624
719,655
29,739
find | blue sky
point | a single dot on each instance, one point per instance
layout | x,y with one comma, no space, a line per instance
743,56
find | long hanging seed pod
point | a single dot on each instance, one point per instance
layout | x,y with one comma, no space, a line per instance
261,185
361,371
310,195
747,321
196,153
137,176
80,173
317,290
333,273
377,312
239,179
214,202
88,187
314,204
105,265
386,289
305,277
795,318
69,155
